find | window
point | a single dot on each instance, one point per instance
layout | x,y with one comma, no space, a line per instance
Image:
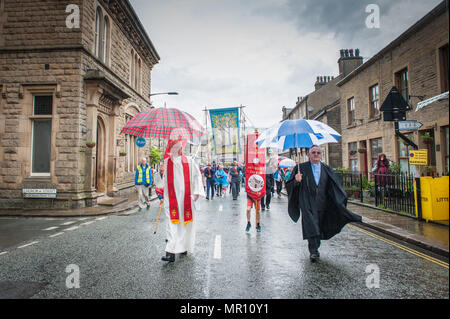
351,110
443,65
132,68
376,148
374,101
98,22
41,135
353,156
105,40
401,81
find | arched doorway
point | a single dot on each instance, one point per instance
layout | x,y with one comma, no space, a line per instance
100,159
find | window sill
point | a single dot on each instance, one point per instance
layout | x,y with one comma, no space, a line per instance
374,118
353,125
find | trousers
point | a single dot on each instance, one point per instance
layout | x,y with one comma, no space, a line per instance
143,196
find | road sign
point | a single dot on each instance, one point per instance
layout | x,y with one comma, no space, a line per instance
409,125
394,106
140,142
418,157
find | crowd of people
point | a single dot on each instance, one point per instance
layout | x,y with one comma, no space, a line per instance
218,180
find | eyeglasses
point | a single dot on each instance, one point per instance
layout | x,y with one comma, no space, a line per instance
318,153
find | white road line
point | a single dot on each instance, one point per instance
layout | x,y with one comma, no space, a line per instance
67,223
220,208
29,244
51,228
84,218
218,247
87,223
3,252
100,218
72,228
57,234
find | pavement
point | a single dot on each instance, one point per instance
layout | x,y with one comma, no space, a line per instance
431,236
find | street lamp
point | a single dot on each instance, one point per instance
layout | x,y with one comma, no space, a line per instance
168,93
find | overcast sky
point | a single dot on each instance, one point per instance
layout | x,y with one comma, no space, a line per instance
262,54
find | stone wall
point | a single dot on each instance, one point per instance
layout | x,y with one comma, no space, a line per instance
418,53
39,55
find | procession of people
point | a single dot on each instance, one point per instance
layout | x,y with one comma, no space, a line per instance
313,190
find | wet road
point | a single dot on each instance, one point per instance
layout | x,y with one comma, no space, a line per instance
118,256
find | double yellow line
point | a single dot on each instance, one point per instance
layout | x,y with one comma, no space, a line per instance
412,251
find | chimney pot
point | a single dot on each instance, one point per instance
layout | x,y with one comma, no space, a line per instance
351,52
346,53
357,52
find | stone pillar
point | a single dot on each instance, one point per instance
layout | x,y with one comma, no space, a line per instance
92,101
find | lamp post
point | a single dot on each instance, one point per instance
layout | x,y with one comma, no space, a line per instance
168,93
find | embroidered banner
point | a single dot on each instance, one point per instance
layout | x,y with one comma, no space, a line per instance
225,131
255,168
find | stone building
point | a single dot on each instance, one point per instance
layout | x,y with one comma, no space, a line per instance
417,64
71,73
323,104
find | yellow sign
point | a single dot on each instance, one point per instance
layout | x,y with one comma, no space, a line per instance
418,157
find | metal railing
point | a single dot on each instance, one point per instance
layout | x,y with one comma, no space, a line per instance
395,192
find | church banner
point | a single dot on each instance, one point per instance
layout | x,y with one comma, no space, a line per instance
225,131
255,168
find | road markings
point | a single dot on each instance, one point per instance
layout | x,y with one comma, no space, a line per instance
29,244
51,228
220,208
67,223
87,223
100,218
218,247
3,252
73,228
407,249
57,234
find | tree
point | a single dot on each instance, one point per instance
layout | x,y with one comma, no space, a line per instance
155,156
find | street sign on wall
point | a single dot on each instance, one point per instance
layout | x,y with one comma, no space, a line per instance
140,142
418,157
409,125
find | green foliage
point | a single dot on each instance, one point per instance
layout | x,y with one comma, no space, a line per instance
365,183
426,136
343,170
155,156
394,167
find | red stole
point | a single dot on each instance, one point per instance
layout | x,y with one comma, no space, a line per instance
173,205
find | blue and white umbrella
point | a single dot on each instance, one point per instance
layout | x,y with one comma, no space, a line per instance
296,134
286,163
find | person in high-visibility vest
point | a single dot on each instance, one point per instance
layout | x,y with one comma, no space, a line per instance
142,181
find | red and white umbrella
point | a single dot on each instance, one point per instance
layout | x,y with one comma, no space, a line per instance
161,122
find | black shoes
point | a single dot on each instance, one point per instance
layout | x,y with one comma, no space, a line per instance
148,206
207,198
314,257
184,253
168,257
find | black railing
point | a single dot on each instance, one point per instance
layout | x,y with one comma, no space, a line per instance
352,183
395,192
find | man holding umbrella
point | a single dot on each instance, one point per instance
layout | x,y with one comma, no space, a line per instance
182,188
315,190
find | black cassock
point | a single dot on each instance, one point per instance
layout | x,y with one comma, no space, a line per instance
303,198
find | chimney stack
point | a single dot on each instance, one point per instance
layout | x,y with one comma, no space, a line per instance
349,61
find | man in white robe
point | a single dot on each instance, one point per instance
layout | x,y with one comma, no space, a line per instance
181,235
